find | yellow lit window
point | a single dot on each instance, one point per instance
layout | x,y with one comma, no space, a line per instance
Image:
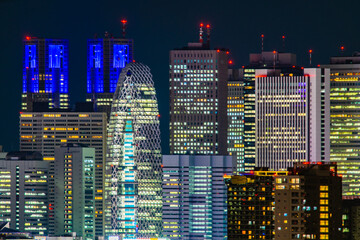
324,188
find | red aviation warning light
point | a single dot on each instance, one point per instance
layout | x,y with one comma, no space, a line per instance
124,22
201,40
27,37
230,62
342,48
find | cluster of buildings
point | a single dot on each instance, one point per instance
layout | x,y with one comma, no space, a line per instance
266,151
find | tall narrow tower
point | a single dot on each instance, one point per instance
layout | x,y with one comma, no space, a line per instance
133,207
106,58
45,74
198,98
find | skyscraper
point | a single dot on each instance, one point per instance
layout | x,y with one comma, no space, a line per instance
106,58
133,169
194,196
74,188
235,115
292,117
198,99
303,202
250,202
44,131
345,121
308,202
45,73
264,60
24,188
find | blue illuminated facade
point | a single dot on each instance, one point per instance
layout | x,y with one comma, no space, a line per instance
45,73
106,58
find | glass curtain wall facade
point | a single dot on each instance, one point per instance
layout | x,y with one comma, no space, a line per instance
235,114
345,121
133,207
195,196
74,187
45,73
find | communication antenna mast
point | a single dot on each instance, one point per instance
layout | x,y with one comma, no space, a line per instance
124,22
208,34
201,40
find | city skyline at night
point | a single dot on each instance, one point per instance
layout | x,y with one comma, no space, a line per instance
156,29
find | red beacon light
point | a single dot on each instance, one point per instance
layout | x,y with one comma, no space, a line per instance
310,51
227,52
318,65
230,62
201,24
262,35
283,37
208,26
274,52
218,50
342,48
27,37
124,21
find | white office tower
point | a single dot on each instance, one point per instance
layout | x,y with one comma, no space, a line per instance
292,117
133,197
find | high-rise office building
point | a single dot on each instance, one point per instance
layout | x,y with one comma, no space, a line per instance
45,73
351,219
301,203
271,60
198,99
345,121
74,188
235,115
308,203
44,131
133,168
106,58
292,117
250,203
23,192
194,196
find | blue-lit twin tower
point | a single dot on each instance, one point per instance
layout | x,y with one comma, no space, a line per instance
45,74
106,58
46,68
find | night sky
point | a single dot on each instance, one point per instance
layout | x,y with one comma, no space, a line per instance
159,26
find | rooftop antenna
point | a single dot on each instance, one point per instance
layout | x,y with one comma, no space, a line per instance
283,42
208,34
124,22
310,53
262,42
274,52
201,40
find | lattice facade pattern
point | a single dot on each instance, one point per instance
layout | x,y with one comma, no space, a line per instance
133,169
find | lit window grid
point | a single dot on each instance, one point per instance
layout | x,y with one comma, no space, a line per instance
281,121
